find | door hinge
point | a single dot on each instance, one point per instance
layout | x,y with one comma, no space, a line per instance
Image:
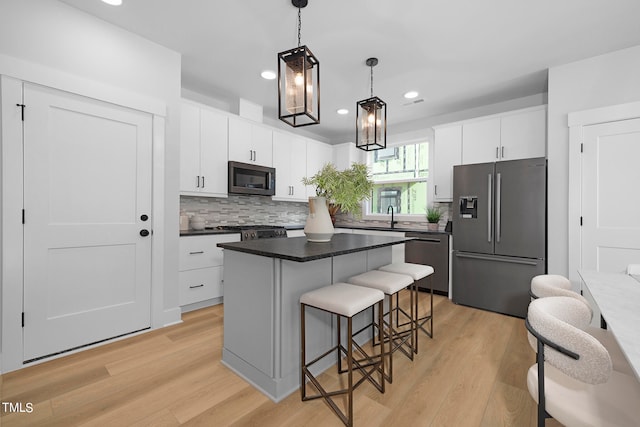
22,110
23,319
22,216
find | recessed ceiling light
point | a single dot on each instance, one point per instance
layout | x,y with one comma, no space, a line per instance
411,94
113,2
268,75
342,111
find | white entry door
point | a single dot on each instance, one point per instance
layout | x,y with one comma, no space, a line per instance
87,197
611,196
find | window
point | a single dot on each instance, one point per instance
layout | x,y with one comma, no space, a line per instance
400,179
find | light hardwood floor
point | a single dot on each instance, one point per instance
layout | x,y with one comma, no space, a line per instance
473,373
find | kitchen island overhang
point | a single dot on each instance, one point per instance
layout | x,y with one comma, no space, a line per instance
263,282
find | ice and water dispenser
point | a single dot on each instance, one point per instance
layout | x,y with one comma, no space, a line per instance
469,207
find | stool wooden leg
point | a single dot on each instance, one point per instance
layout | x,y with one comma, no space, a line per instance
350,374
383,354
391,343
303,354
417,318
420,321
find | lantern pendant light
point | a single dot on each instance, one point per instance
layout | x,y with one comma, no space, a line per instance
298,82
371,119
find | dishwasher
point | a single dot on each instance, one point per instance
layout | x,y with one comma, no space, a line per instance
430,249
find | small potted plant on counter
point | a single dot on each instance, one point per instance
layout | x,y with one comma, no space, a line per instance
433,217
345,190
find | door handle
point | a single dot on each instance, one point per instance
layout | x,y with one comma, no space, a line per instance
427,240
144,217
498,207
435,189
196,286
198,181
202,181
497,259
489,200
144,232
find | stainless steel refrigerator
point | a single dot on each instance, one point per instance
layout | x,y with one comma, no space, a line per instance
499,233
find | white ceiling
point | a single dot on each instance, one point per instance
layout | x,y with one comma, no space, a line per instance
458,54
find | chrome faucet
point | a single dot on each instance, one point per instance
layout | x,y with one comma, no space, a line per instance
390,208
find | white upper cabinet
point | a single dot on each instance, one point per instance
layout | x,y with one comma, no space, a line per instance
515,135
519,134
344,155
481,141
250,142
447,152
523,134
203,151
290,162
318,154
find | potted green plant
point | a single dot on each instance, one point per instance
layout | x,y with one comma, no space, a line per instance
344,190
433,217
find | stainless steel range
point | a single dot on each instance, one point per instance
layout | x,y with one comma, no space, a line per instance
252,232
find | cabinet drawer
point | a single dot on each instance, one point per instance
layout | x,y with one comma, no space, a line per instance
201,251
199,285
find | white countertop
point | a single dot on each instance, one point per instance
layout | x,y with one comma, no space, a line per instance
618,298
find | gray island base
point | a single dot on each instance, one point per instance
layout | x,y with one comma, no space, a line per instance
263,282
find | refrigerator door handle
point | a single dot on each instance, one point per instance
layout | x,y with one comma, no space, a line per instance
498,208
489,189
500,259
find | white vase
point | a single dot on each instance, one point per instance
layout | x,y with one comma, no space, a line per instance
319,227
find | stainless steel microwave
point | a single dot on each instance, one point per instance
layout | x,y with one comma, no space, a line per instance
246,178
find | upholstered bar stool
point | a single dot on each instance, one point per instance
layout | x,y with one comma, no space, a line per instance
390,284
342,300
553,285
572,380
417,272
633,269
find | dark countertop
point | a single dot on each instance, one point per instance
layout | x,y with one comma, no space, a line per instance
206,232
298,249
301,226
400,230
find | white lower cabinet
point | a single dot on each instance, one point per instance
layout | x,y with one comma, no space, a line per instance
200,277
200,285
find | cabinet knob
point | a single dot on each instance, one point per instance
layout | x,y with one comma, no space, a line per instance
144,217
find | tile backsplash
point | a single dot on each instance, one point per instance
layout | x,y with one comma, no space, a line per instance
347,221
239,210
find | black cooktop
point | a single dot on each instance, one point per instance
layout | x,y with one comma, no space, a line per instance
252,232
245,227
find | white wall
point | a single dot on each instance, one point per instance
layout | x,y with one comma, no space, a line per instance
609,79
48,42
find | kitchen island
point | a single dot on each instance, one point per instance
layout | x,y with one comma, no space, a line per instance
263,282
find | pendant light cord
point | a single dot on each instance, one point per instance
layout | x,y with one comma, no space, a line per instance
371,81
299,25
